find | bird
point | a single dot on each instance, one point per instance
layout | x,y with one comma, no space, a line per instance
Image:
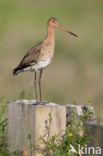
41,55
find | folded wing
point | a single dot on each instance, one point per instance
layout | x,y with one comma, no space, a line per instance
29,59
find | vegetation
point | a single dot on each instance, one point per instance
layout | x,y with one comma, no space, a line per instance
72,137
3,131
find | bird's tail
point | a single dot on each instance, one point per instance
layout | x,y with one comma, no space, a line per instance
16,71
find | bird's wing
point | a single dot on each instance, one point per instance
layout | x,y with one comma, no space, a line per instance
31,57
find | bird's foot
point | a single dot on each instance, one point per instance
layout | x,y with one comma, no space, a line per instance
40,102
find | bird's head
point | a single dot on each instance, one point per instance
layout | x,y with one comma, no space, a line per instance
55,23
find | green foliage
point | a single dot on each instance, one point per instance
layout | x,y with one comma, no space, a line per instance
3,131
57,145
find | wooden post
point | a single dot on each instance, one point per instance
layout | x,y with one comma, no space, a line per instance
26,119
80,110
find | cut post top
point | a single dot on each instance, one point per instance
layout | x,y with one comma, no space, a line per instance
32,102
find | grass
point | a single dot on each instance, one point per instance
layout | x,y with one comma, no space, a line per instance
3,130
75,72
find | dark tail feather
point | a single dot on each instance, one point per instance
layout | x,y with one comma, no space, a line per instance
18,69
15,71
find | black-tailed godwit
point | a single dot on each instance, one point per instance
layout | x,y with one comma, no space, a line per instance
40,56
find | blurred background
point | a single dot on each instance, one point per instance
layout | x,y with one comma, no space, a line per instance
76,71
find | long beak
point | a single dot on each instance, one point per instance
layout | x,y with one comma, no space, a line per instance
64,29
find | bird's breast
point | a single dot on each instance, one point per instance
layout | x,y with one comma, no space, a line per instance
47,53
45,58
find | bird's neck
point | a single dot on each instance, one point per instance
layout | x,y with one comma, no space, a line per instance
50,34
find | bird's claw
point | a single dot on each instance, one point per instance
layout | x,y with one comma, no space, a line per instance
40,102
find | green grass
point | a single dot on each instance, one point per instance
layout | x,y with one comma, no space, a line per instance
3,130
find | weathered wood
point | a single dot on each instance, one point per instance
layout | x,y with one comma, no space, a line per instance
28,120
79,111
25,118
95,133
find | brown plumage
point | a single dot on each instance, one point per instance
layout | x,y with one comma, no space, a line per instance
31,58
39,56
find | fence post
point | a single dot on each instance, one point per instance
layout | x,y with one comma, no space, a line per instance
26,119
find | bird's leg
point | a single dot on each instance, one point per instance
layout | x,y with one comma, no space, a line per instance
40,85
35,84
